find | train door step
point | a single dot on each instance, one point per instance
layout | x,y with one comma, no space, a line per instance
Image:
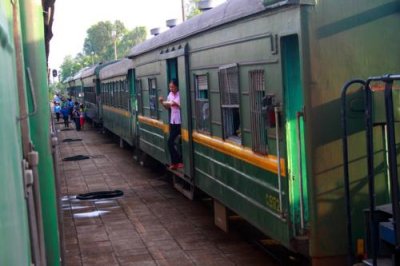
182,184
380,262
386,232
386,208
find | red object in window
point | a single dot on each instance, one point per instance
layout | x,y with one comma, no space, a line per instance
271,122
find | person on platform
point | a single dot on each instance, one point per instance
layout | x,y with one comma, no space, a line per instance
173,103
57,111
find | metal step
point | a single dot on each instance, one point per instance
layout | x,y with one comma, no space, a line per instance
386,208
380,262
386,232
182,183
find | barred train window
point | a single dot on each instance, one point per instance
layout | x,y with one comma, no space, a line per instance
229,89
139,96
118,98
153,98
202,103
257,121
126,96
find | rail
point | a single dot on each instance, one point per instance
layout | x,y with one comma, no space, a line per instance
392,164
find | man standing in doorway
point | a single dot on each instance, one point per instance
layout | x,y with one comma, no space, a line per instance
173,103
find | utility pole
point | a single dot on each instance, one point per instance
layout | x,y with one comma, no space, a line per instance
114,36
183,9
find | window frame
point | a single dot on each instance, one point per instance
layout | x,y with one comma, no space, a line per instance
153,111
229,109
201,127
257,92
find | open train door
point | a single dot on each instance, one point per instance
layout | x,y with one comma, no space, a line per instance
178,68
295,137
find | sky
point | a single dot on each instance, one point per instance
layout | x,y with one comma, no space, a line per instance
73,17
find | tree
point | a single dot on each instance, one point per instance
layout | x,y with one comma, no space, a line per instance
99,46
191,9
133,37
100,40
69,67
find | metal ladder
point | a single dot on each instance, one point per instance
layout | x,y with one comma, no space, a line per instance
388,80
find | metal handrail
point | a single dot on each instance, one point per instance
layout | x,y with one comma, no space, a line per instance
278,155
299,152
346,166
388,79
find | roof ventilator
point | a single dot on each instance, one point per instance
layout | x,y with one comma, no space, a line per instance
171,23
205,5
155,31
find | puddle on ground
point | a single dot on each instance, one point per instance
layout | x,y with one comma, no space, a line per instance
103,206
91,214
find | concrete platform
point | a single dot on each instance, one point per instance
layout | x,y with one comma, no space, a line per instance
152,224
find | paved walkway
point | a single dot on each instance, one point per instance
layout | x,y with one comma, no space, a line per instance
152,224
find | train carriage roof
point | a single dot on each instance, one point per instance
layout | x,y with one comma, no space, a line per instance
117,69
224,13
89,71
78,75
94,70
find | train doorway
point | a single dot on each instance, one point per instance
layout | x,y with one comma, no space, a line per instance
172,74
172,69
294,127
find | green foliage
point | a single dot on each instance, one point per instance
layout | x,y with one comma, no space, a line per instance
133,37
191,9
72,65
100,39
69,67
56,87
99,46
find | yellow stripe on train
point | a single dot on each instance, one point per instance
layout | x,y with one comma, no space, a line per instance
154,122
266,162
117,110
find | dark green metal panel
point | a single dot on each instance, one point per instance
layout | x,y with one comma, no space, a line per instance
133,106
35,58
343,40
294,120
187,151
14,232
246,189
152,142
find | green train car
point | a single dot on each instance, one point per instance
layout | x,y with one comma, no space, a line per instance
75,86
91,92
118,103
260,89
28,208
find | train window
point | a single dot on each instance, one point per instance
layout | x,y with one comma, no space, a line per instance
125,95
230,109
139,96
257,121
153,98
105,94
113,93
109,93
119,88
202,103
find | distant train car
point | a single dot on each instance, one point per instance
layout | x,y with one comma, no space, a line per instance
29,231
75,86
91,91
260,85
118,104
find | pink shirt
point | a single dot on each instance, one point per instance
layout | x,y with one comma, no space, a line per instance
175,111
